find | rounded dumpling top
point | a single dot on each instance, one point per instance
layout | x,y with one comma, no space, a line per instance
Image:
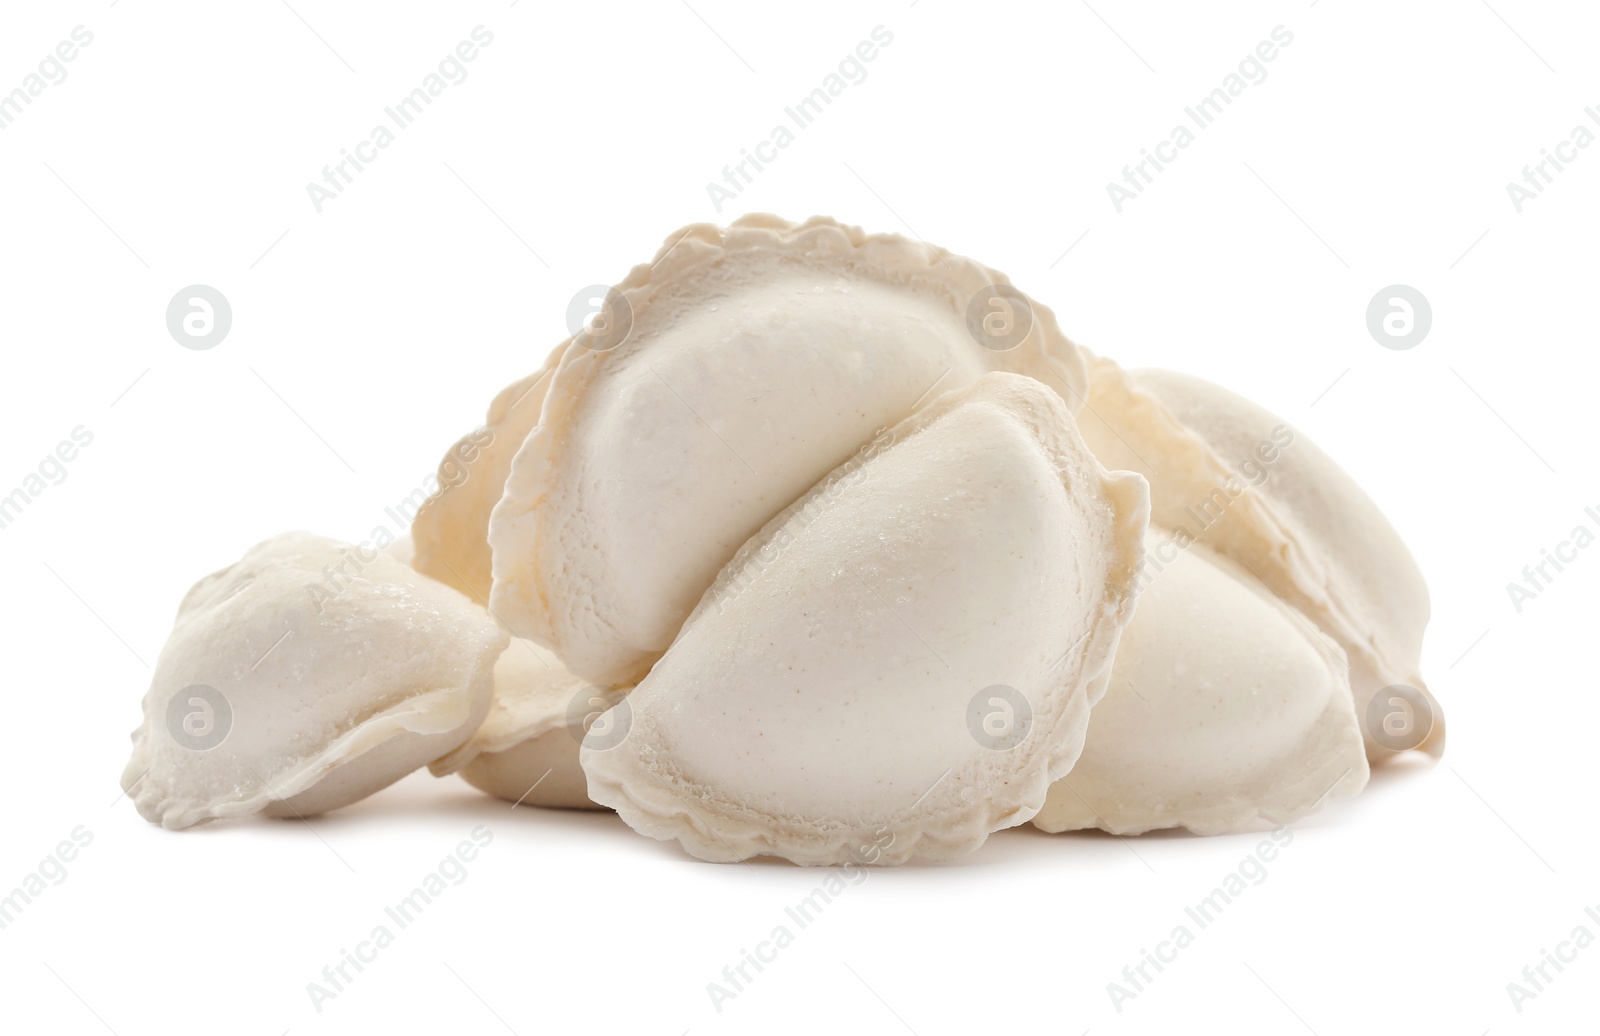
733,373
1228,473
1225,705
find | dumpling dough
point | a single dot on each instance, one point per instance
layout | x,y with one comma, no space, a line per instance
527,749
894,665
1241,480
743,365
403,549
304,677
451,529
1225,705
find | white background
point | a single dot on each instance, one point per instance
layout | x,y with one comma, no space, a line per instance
366,338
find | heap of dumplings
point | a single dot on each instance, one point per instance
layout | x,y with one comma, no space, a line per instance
827,546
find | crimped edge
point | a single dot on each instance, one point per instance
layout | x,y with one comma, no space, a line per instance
519,579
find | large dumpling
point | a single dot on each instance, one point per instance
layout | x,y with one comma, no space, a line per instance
1225,706
734,372
892,668
1235,477
308,675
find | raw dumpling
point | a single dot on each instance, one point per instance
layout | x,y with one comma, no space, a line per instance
451,528
403,549
1225,705
527,749
304,677
895,664
735,371
1229,474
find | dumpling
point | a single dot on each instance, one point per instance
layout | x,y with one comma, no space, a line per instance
527,749
308,675
403,549
734,372
893,666
1237,478
1225,706
451,529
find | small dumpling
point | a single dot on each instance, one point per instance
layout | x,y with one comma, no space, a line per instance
1225,706
893,666
735,371
1237,478
451,529
308,675
403,549
527,749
